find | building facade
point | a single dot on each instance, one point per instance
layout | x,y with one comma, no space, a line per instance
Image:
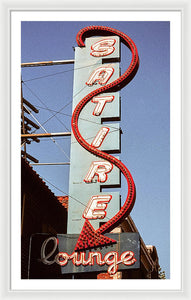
45,213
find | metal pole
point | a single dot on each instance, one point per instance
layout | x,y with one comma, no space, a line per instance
29,156
47,63
23,119
23,213
43,135
49,164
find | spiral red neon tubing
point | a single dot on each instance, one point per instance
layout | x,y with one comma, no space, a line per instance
116,85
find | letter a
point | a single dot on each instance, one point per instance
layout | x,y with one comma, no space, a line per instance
100,75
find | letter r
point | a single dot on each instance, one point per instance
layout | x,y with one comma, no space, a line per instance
99,168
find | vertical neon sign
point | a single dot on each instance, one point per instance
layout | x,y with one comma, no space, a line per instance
94,210
91,165
87,171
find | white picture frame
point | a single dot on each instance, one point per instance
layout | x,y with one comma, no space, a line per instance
7,286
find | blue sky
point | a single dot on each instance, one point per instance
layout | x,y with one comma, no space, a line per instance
145,106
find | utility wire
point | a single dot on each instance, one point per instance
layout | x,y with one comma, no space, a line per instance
57,73
68,115
46,131
54,115
88,138
75,199
34,94
59,112
56,112
24,81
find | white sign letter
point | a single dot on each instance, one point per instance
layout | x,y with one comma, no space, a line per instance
103,47
96,207
100,75
101,101
99,168
100,136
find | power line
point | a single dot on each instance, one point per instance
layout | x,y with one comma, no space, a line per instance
51,164
47,132
88,138
54,115
68,115
52,110
57,112
24,81
57,73
75,199
41,101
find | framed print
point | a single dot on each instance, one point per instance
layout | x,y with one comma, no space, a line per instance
95,150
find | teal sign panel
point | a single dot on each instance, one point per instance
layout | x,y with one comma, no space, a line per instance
98,124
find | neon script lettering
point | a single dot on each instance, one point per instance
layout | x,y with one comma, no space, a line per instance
112,259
